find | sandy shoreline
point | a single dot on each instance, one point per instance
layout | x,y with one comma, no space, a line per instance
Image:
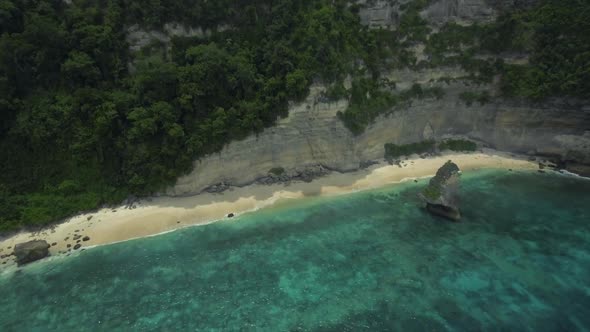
162,214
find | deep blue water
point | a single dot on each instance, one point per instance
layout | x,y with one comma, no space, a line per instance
369,261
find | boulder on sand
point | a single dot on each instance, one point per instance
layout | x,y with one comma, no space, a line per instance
441,194
31,251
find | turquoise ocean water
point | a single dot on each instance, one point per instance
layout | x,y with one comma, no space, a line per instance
368,261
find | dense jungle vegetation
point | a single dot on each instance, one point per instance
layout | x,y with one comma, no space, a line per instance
85,121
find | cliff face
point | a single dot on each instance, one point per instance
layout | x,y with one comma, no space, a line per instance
379,13
137,38
312,134
444,11
385,13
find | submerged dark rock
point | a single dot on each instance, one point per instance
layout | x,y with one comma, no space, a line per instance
31,251
441,194
444,211
578,168
77,246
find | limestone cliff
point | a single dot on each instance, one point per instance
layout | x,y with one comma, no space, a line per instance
312,134
137,38
386,13
469,11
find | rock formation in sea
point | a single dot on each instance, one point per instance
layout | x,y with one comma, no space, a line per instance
31,251
441,195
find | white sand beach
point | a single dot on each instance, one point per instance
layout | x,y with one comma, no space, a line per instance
161,214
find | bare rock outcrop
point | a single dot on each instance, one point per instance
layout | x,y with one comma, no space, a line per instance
31,251
138,37
379,13
470,11
441,195
467,11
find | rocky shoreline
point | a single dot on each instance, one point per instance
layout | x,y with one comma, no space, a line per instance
315,171
305,174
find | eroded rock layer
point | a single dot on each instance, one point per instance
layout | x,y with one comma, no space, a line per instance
313,135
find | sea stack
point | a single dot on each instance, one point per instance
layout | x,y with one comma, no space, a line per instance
441,194
31,251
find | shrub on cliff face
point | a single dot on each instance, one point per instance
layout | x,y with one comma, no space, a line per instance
469,97
277,171
394,151
368,99
457,145
336,91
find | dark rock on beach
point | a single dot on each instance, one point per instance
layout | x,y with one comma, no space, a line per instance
217,188
231,215
441,194
305,174
31,251
77,246
86,238
367,163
